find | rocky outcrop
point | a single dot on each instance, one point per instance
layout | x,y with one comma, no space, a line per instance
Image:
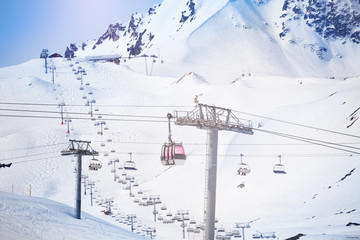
188,13
335,19
111,34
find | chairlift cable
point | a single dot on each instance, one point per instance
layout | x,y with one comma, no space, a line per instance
81,113
309,139
21,149
82,118
25,156
220,155
298,124
312,141
99,105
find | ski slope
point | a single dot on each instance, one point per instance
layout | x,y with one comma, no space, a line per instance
38,218
310,199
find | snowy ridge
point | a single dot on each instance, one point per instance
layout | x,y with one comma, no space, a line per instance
279,37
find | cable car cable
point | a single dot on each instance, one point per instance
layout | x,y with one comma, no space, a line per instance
82,118
312,141
21,149
81,113
298,124
99,105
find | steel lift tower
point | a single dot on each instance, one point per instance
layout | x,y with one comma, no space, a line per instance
212,119
79,148
44,54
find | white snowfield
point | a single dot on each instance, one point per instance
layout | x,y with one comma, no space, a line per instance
225,57
38,218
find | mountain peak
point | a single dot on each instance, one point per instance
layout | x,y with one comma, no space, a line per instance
282,36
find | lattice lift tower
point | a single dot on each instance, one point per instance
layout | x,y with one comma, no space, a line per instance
79,148
212,119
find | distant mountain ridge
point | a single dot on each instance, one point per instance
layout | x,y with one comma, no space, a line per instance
318,27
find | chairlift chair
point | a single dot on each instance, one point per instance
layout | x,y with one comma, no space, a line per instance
243,167
130,165
95,164
279,168
172,153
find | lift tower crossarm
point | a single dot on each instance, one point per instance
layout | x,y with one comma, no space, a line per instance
206,117
212,119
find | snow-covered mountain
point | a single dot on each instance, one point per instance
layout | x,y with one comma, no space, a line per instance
282,37
317,197
231,54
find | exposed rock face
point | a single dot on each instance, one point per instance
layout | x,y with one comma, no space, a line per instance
332,19
111,33
188,13
136,49
69,53
133,25
83,46
73,47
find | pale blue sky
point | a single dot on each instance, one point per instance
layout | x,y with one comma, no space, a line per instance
28,26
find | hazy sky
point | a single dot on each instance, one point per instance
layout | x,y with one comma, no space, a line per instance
28,26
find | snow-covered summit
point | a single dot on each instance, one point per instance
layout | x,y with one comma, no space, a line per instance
282,37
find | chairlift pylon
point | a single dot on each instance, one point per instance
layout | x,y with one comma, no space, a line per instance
279,168
243,167
172,153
